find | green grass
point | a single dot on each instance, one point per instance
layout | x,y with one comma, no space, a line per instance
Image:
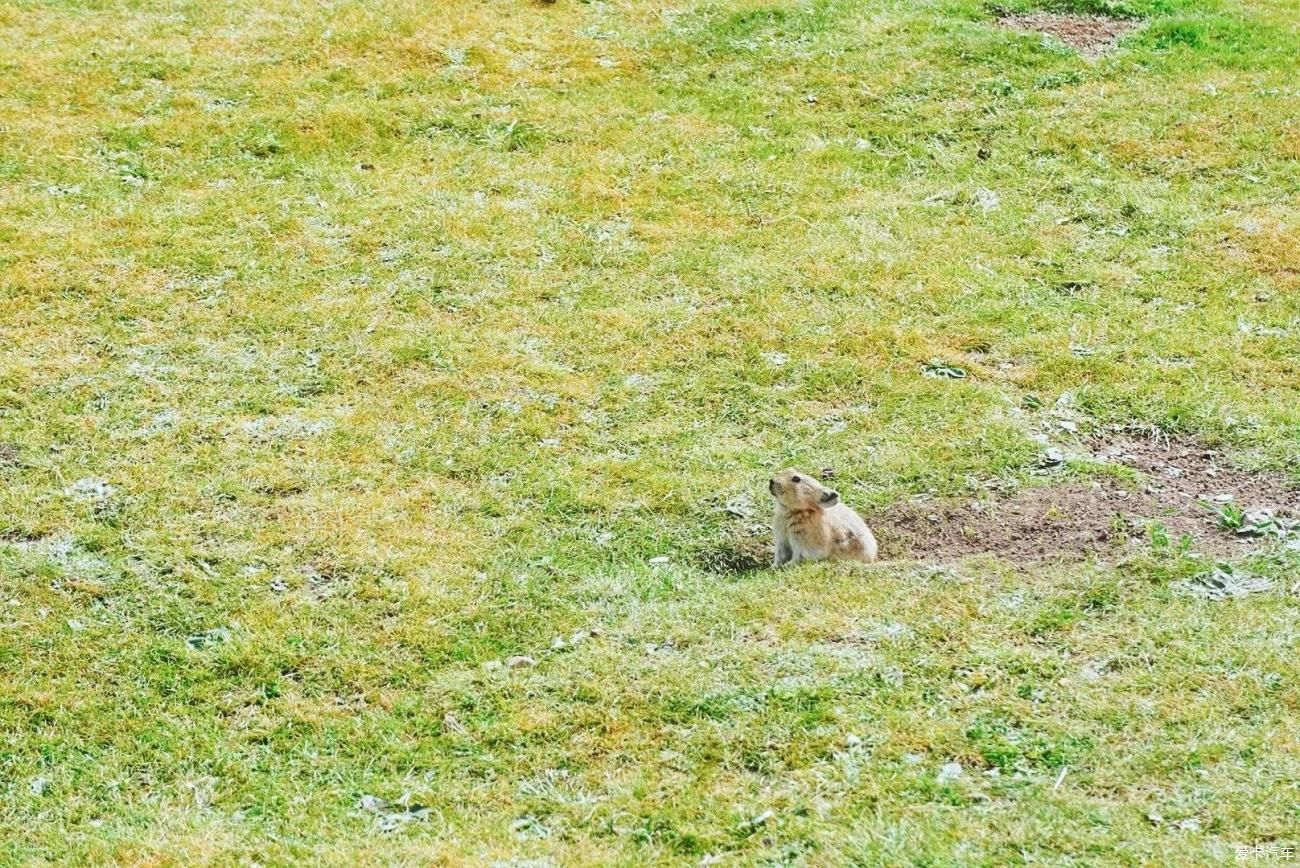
407,334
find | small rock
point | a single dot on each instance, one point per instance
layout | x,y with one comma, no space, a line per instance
659,561
38,786
558,644
492,665
90,490
740,506
520,661
950,772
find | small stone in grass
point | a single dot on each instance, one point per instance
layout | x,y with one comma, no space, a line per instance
659,561
740,506
949,773
38,786
520,661
90,490
389,817
492,665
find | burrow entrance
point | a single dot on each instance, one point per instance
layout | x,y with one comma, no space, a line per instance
1184,489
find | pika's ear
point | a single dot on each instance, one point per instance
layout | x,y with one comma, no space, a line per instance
830,498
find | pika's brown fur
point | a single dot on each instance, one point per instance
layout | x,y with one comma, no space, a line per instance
811,524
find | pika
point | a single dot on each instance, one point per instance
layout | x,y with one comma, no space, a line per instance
811,524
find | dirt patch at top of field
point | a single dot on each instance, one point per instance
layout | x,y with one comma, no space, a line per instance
1182,487
1090,35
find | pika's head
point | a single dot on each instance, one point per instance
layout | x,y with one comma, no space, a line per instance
795,490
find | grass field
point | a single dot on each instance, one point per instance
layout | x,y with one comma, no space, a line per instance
348,349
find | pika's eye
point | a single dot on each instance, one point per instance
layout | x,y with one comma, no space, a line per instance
794,479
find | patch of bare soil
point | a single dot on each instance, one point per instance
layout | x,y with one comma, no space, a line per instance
1104,516
1090,35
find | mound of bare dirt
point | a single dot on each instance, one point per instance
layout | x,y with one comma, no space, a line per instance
1090,35
1179,482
